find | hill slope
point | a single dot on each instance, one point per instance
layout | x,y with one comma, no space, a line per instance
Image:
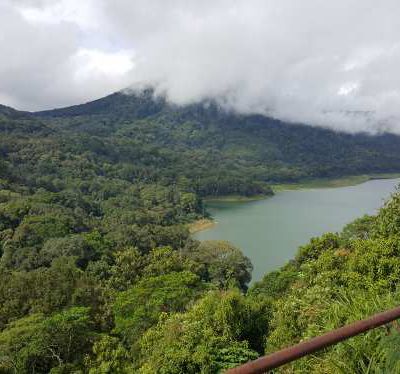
208,140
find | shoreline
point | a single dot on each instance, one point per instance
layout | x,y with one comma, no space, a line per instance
207,223
236,198
200,225
352,180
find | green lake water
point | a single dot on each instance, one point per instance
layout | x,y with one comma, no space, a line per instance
270,231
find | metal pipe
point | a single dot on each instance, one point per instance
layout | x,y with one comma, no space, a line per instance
284,356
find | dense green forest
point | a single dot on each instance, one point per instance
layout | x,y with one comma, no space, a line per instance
99,274
218,152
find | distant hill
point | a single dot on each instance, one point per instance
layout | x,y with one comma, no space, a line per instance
211,140
15,121
9,112
200,148
131,106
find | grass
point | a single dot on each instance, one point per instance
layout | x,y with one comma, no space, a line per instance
333,182
235,198
306,184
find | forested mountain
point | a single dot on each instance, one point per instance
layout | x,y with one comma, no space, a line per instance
99,274
211,145
201,148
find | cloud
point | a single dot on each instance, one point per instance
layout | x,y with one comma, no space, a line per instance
49,58
331,64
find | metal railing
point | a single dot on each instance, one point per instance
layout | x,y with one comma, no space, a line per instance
284,356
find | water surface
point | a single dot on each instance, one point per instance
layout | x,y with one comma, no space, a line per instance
270,231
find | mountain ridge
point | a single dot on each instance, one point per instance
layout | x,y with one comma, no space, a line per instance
253,139
207,145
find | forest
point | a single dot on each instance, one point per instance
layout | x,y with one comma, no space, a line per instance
99,273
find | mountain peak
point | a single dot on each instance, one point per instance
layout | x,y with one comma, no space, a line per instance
123,103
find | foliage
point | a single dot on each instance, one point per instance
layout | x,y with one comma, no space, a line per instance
36,344
109,357
99,274
46,290
139,307
224,264
214,334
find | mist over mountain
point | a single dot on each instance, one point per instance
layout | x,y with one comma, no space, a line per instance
332,65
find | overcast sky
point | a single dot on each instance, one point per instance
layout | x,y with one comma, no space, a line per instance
327,63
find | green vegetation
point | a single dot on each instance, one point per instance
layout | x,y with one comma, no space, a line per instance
211,152
333,182
235,198
99,274
334,280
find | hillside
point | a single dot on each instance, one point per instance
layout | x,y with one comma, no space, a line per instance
207,143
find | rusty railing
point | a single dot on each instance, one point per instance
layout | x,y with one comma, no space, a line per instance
284,356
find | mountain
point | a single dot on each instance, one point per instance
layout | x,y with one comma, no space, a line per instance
15,121
203,138
6,111
200,148
116,105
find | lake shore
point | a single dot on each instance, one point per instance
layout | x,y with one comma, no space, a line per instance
207,223
332,182
236,198
200,225
347,181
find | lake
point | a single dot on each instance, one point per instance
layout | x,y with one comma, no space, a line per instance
270,231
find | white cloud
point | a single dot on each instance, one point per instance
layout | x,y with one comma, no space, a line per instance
332,64
347,88
92,61
45,60
79,12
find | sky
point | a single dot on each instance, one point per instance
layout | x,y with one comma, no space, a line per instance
334,64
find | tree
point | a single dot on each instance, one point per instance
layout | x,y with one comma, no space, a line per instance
388,220
220,331
139,307
46,290
127,269
224,264
36,344
110,357
68,246
165,260
359,229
